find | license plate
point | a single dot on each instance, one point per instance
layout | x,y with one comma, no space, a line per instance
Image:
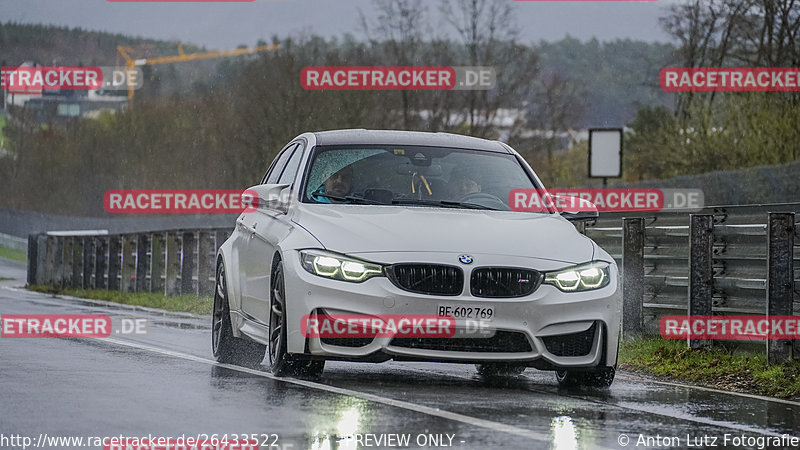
485,313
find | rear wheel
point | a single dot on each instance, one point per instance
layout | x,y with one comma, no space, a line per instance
226,347
488,370
600,377
282,363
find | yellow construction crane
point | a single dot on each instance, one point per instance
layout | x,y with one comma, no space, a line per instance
130,61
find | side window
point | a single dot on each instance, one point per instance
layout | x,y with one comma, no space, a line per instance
277,168
291,167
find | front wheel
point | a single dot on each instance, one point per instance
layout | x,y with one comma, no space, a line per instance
225,346
600,377
281,363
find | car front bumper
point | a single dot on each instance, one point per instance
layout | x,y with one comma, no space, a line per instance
557,327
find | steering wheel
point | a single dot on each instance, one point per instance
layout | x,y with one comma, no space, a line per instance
484,199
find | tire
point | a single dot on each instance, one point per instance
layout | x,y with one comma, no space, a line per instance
601,377
226,347
281,363
489,370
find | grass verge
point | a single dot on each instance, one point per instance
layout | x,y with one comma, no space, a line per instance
716,367
16,255
181,303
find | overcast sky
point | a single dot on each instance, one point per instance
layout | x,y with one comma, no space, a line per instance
226,25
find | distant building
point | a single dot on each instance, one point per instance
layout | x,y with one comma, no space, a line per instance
59,107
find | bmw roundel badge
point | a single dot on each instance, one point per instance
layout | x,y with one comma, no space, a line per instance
465,259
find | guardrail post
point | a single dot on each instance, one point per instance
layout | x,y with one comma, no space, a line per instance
157,262
173,265
41,259
701,270
101,260
113,262
128,272
33,258
780,279
77,263
188,262
205,263
65,280
632,277
50,260
142,262
88,266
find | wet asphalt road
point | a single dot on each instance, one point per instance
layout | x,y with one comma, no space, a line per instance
165,383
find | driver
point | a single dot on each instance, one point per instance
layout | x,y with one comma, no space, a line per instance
462,184
338,185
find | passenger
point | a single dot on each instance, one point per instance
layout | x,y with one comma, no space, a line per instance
461,184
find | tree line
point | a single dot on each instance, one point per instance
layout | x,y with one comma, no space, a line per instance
225,130
707,131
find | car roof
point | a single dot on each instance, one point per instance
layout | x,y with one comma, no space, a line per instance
395,137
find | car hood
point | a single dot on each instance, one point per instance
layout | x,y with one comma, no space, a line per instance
353,229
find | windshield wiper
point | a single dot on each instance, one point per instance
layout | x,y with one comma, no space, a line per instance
350,198
442,203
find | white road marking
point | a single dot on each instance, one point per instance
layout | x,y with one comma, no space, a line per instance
667,383
437,412
720,391
494,426
650,410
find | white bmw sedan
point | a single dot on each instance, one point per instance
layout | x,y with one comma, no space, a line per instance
375,245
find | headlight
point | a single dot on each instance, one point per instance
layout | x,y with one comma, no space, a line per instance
339,267
585,277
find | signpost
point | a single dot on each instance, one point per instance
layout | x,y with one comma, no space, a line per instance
605,153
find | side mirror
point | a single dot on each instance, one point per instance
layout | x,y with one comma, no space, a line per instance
267,196
575,208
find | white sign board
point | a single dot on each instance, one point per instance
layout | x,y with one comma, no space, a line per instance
605,153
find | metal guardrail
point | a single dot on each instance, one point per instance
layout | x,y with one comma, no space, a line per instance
13,242
172,262
719,260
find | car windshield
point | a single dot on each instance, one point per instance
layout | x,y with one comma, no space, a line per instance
413,175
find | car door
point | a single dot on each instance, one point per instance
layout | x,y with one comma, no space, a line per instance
245,232
270,227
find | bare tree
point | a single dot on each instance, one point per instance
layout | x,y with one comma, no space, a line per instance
488,31
759,33
400,29
556,106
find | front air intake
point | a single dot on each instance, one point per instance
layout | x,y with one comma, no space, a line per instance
432,279
504,282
